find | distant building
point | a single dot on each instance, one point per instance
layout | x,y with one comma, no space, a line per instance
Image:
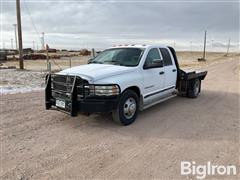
27,51
51,50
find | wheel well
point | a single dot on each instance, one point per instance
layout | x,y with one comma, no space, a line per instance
135,89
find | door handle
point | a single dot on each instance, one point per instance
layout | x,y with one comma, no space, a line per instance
174,70
161,72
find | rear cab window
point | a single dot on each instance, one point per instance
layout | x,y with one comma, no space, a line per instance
167,60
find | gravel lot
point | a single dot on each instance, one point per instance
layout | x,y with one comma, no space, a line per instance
39,144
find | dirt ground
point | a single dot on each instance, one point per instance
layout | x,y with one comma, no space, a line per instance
40,144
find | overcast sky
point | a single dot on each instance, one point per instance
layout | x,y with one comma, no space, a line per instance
85,24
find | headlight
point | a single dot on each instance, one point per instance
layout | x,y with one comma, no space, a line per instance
101,90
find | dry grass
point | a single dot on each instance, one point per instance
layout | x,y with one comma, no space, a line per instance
190,59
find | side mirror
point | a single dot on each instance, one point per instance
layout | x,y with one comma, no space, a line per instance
156,63
90,60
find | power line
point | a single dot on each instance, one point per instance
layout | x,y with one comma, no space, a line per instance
29,13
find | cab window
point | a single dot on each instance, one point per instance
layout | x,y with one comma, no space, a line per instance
166,57
152,54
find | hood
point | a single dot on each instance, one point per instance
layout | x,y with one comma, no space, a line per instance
96,72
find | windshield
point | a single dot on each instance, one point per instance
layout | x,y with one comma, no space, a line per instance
119,56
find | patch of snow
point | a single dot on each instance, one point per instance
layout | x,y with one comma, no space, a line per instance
18,90
15,81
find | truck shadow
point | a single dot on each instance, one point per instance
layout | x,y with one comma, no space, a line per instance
212,116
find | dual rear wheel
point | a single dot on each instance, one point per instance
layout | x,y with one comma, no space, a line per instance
194,88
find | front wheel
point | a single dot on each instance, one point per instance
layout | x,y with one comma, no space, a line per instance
127,109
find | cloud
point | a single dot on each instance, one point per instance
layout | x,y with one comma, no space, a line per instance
77,24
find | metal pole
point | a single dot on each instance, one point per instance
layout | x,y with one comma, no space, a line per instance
19,25
15,31
228,46
43,46
48,63
12,43
204,48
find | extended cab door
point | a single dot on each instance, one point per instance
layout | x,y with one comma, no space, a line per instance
153,75
170,69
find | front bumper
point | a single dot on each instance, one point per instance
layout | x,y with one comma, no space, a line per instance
74,104
94,105
85,106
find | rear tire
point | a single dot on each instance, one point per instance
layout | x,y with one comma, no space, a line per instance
194,88
127,110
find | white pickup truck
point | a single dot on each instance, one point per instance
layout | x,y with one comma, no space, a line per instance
121,80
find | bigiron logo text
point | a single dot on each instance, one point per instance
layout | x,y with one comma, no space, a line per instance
200,171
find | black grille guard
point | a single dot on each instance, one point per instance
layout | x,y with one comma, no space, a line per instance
66,86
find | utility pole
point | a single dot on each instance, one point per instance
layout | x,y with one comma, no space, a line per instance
228,46
43,46
204,46
33,45
12,43
19,25
15,30
191,46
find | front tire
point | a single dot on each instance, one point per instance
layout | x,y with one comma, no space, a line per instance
127,110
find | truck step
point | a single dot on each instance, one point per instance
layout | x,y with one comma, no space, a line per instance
159,101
